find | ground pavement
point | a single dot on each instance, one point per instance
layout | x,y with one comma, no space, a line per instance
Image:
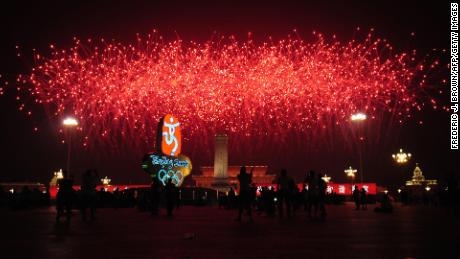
210,232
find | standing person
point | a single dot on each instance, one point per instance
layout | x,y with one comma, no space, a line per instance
271,206
283,193
64,199
305,194
170,195
356,198
155,193
321,196
363,199
88,194
231,198
244,197
312,185
253,195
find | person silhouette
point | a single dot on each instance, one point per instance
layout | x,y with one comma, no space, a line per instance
363,198
284,191
170,195
64,198
231,198
312,185
385,205
321,196
356,197
88,194
244,196
155,194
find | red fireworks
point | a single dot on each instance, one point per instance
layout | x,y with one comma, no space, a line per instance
118,92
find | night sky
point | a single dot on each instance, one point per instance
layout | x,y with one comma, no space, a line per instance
28,156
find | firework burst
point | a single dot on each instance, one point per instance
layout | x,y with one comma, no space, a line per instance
260,91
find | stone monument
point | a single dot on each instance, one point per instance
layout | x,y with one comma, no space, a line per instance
221,162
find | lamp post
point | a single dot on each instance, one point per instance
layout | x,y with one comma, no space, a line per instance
359,118
69,123
106,181
326,178
351,173
401,158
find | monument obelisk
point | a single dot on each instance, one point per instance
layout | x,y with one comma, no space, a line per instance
221,162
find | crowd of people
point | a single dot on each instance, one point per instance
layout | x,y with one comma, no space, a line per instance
360,198
24,198
88,198
283,200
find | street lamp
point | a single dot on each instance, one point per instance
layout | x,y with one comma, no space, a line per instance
357,118
69,123
326,178
351,173
106,181
59,175
401,157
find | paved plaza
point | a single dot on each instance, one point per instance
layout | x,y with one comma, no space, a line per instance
210,232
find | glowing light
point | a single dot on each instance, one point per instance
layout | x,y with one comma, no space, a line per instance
401,157
351,172
11,190
326,178
358,117
386,191
59,174
428,188
399,190
70,121
119,90
106,181
167,167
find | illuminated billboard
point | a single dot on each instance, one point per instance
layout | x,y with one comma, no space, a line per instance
171,138
167,167
167,162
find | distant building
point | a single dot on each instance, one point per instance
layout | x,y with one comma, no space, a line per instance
207,178
418,179
221,176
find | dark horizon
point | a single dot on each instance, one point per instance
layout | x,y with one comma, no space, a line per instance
29,156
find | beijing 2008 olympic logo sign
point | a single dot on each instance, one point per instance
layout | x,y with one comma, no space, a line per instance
170,136
167,162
